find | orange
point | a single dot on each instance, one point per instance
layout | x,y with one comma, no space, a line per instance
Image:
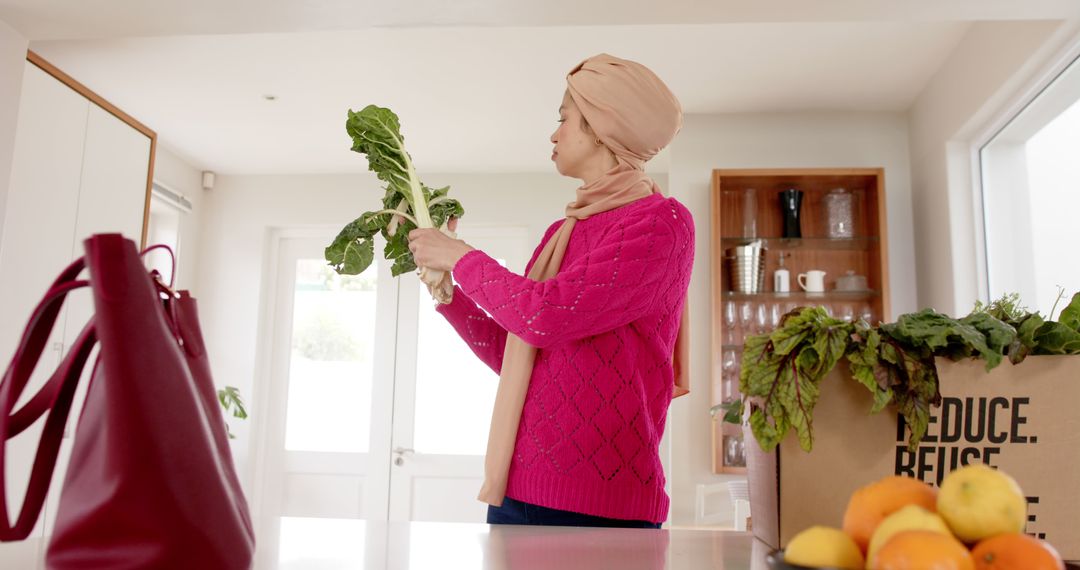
870,505
923,550
1016,551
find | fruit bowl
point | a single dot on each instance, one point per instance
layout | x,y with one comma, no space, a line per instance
775,559
776,562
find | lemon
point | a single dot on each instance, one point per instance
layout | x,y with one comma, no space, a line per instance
979,502
820,546
911,517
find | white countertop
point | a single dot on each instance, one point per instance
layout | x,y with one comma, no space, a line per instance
325,544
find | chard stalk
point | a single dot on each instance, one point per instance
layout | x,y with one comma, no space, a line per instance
440,287
419,204
395,213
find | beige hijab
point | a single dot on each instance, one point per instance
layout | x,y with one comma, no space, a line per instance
635,115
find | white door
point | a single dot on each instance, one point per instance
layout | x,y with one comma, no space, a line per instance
331,384
112,196
37,240
443,399
378,410
77,170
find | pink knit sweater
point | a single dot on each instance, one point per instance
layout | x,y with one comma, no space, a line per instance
605,327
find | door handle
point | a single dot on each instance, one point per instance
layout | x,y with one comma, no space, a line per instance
400,452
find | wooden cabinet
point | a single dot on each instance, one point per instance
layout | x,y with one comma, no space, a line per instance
80,167
862,251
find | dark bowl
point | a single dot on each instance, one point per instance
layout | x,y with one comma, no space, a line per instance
776,562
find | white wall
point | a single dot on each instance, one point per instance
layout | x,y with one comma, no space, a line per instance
965,98
242,210
177,174
12,62
812,139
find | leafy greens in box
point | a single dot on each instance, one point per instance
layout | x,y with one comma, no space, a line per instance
782,370
408,204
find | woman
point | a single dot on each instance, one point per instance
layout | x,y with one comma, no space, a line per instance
588,344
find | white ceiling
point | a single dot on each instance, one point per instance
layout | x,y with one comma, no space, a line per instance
479,98
65,19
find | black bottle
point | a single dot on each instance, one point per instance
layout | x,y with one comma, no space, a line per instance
790,205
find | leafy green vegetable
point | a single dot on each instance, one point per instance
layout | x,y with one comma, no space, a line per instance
1056,338
898,371
1007,308
229,397
732,411
407,204
1034,334
782,371
1070,315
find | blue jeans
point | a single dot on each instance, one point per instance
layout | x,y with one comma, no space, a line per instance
517,512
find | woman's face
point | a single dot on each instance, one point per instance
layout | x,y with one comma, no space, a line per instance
575,143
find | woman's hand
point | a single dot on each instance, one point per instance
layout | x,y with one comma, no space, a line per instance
435,250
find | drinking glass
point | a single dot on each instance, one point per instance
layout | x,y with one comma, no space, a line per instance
866,313
731,451
847,313
730,323
761,320
730,374
749,213
746,319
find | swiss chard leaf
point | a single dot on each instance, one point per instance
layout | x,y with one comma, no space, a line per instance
352,251
782,372
406,204
1070,315
1056,338
993,337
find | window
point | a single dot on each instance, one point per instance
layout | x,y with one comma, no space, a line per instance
167,209
332,362
1031,198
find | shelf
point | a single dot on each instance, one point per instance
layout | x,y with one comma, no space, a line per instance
776,243
801,296
866,255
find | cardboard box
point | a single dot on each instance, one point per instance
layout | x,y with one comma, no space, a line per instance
1022,419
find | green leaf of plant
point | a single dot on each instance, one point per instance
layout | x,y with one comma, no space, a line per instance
403,264
1056,338
376,133
733,411
925,328
768,435
781,372
986,336
1070,315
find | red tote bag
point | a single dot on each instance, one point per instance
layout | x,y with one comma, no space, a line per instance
151,481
